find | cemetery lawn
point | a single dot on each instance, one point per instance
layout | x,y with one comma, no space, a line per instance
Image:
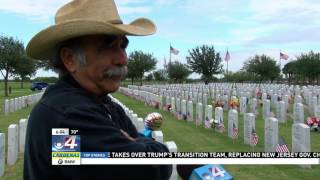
14,172
190,138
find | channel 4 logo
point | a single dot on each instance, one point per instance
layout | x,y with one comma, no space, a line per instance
65,143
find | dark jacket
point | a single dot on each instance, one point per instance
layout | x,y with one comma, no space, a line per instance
67,105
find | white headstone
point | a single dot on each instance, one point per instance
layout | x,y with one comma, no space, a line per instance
190,111
312,108
218,114
301,139
266,109
298,113
297,99
199,112
184,109
271,134
243,105
161,102
6,107
2,153
22,134
232,122
205,99
16,104
171,145
11,104
225,102
253,106
13,146
281,112
173,105
140,124
317,111
158,136
207,116
249,126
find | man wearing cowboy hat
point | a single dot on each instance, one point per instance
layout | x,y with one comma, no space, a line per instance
86,46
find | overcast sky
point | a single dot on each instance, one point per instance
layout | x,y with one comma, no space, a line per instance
245,27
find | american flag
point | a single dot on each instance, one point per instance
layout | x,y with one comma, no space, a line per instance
282,147
207,123
254,137
234,131
221,127
174,51
284,56
227,57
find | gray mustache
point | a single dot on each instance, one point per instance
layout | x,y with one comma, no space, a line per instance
116,72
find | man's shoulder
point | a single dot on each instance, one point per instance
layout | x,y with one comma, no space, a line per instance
62,98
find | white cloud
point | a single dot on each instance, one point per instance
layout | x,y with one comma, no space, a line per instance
35,9
134,10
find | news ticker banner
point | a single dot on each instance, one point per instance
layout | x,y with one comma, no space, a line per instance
66,150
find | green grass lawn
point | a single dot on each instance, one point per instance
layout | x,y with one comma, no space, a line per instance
188,137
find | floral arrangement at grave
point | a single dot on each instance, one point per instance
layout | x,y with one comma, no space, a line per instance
313,123
218,103
234,103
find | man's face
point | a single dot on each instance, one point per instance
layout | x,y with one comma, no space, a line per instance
106,61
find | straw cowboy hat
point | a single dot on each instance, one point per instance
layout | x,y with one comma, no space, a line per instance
85,17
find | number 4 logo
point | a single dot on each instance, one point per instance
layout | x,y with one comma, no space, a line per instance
70,142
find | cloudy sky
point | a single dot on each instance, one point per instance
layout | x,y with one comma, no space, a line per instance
245,27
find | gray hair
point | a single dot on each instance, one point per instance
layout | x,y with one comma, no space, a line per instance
75,46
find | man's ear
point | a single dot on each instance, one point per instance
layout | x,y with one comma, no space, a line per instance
68,59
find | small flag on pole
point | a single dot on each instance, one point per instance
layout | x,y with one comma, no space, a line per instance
254,137
284,56
234,131
174,51
207,123
282,147
227,57
221,127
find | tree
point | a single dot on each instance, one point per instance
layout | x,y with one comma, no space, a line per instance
309,66
26,67
263,67
160,75
205,61
132,73
11,50
140,64
178,72
239,77
290,70
149,77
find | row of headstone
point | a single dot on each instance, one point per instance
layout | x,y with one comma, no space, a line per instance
157,135
300,131
12,105
16,142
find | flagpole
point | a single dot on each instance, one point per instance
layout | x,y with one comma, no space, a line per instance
227,72
169,67
280,63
